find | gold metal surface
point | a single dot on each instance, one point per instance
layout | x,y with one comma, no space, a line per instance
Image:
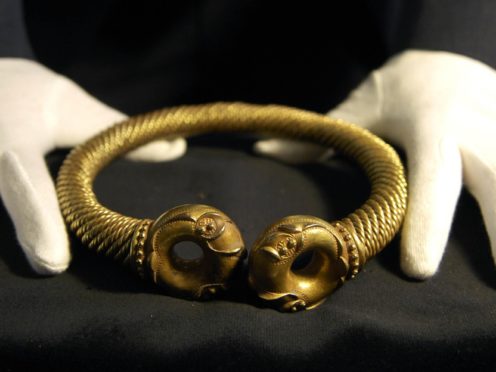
214,232
334,257
339,249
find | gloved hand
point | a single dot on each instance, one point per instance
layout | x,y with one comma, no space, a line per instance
440,107
40,111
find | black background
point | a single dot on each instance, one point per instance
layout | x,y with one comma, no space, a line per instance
141,56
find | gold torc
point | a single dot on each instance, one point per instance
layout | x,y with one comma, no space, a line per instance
338,249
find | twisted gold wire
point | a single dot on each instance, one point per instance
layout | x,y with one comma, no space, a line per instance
111,233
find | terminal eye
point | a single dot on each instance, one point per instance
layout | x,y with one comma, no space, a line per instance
285,245
210,225
206,226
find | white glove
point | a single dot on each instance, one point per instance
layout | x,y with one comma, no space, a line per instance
440,107
40,111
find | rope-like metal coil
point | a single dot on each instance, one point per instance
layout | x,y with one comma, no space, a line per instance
107,232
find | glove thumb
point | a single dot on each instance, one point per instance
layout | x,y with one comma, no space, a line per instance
362,107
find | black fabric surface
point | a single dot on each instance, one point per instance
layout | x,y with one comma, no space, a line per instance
14,41
99,316
141,56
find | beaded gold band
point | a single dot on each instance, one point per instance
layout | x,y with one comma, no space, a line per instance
339,249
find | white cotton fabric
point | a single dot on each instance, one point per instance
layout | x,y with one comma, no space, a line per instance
440,107
39,111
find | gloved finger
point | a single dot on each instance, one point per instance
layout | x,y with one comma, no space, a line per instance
29,195
434,181
480,179
77,116
291,151
362,107
160,150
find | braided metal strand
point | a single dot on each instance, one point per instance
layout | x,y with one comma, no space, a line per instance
110,233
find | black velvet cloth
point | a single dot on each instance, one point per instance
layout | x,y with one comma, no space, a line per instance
142,56
98,316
